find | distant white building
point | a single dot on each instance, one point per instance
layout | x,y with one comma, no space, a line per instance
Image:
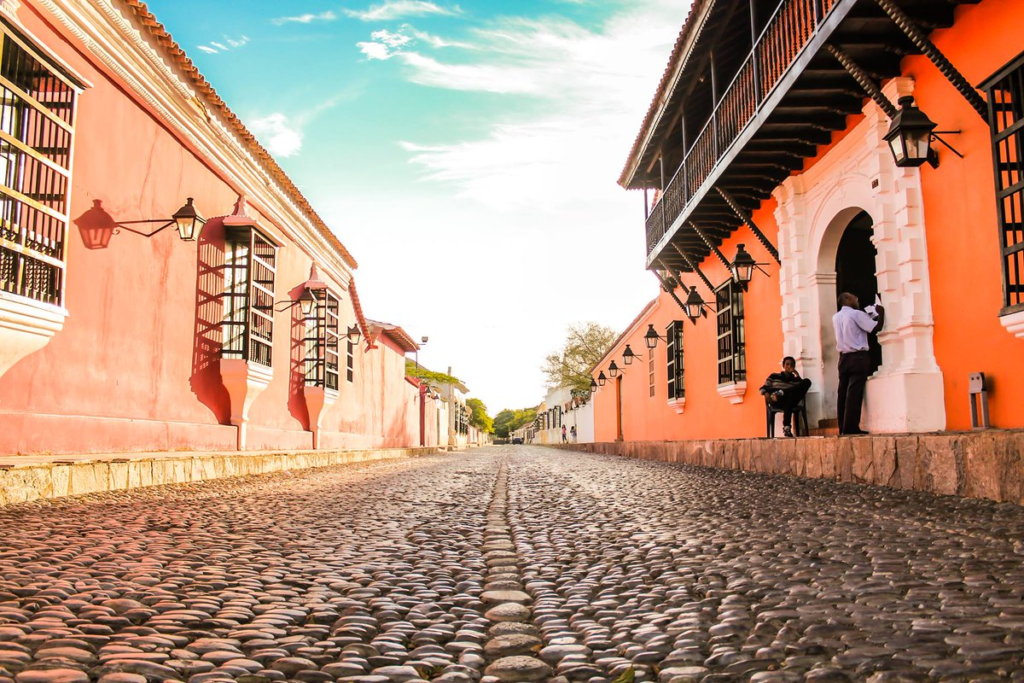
561,408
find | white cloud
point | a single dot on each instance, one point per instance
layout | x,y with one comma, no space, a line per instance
392,40
307,18
384,44
375,50
396,9
282,134
215,47
436,41
279,135
595,86
528,213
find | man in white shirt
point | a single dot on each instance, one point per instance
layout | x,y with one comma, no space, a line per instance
852,327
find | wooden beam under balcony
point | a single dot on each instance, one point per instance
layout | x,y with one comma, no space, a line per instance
810,98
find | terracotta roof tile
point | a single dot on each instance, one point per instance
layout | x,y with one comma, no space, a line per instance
177,54
358,307
396,333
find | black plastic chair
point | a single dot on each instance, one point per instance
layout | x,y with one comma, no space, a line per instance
799,411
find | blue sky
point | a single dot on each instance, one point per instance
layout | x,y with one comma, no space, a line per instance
466,154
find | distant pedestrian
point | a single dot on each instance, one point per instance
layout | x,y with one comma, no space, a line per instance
564,438
572,431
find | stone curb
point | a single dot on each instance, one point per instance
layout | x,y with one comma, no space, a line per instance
58,479
985,464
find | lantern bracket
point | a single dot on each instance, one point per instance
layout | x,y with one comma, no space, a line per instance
185,213
124,225
933,157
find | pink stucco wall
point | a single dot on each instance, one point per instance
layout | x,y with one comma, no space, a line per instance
136,366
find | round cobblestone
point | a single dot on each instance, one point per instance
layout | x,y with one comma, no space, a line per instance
676,573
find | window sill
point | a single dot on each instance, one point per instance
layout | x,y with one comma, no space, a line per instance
25,327
733,392
1014,323
677,404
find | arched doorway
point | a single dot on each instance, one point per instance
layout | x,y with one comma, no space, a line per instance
855,270
817,211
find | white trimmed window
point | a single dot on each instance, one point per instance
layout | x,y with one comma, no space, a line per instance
674,360
732,360
323,334
37,114
249,272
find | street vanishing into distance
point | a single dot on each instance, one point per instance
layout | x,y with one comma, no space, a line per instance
511,563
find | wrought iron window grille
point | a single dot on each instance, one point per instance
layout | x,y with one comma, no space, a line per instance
1005,94
732,364
38,103
249,274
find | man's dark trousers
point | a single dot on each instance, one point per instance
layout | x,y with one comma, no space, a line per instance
854,369
791,397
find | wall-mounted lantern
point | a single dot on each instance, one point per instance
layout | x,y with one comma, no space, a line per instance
628,356
695,305
307,302
354,334
593,385
613,370
743,267
309,298
910,135
601,379
187,220
651,337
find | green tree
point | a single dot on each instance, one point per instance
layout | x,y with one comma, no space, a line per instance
434,379
509,420
585,344
478,415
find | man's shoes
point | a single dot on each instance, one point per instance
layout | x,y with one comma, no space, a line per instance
787,431
855,432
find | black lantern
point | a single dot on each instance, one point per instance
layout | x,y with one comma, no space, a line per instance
601,379
628,355
651,338
593,385
307,302
695,306
613,370
743,266
354,335
910,135
189,222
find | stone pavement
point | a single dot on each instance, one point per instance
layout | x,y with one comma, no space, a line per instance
508,564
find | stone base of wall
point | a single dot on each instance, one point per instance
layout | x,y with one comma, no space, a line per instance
29,478
985,464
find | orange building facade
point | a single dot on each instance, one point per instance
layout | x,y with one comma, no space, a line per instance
769,130
117,332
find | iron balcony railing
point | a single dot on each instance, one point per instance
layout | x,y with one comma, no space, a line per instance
784,37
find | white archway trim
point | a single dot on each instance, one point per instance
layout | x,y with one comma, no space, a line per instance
814,208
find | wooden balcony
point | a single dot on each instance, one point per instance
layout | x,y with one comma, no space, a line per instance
787,97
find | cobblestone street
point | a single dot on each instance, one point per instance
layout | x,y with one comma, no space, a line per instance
512,563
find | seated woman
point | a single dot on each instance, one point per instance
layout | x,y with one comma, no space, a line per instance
785,390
